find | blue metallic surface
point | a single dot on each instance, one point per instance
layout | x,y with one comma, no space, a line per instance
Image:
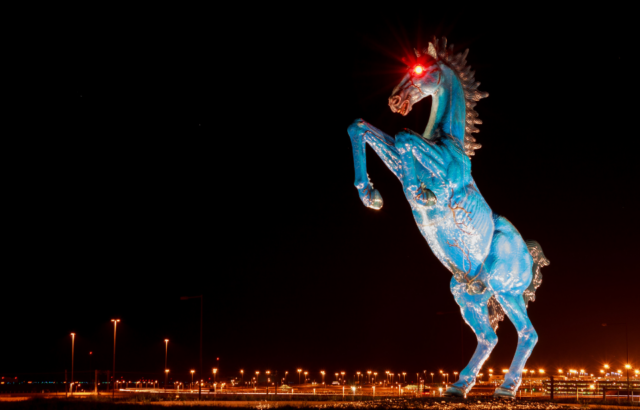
494,271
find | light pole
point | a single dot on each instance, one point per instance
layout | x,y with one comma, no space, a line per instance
342,373
305,377
369,376
115,325
198,297
337,376
166,349
257,376
73,339
375,376
404,377
358,374
192,372
299,372
531,382
242,375
431,378
322,373
215,371
626,366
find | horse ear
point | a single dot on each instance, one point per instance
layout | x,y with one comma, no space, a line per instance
432,51
417,52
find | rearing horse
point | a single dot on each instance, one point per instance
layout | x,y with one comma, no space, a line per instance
494,270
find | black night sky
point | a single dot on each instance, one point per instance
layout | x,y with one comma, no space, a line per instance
168,153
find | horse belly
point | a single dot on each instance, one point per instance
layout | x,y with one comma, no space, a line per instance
459,233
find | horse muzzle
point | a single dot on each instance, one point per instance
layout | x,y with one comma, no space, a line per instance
399,106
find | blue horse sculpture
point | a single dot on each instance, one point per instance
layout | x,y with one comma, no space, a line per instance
494,270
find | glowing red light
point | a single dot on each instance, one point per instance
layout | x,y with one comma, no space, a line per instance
418,69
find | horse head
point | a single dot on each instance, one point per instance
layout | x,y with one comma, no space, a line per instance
421,80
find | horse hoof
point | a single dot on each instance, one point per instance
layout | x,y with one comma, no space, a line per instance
504,393
454,391
376,200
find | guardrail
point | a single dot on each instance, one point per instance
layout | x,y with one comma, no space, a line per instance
582,388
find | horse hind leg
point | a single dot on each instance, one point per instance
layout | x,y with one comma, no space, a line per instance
515,309
475,313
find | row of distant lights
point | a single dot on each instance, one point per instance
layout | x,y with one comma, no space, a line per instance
375,374
570,371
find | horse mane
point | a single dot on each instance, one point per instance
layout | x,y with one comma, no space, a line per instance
458,64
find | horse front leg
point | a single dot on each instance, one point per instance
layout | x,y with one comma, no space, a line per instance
362,133
415,191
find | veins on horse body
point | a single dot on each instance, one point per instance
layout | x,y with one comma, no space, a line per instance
465,253
463,224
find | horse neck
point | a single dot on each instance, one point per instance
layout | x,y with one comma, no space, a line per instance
448,108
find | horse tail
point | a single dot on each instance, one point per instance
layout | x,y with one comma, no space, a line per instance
539,261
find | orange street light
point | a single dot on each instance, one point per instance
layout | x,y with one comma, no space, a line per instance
299,371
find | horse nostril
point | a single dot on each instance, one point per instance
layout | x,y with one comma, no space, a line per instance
394,101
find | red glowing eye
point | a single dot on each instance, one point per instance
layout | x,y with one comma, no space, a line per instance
418,69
